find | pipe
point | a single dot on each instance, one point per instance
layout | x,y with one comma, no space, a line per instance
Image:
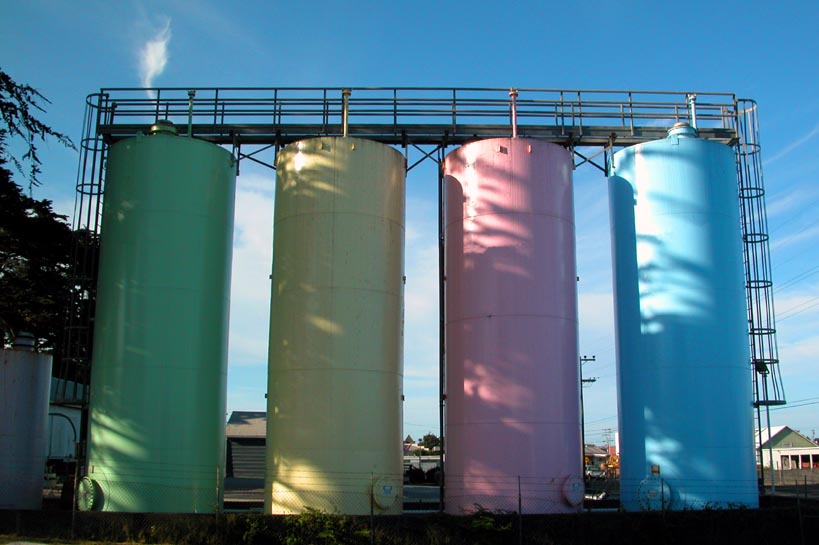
513,94
191,94
24,341
691,98
70,423
345,110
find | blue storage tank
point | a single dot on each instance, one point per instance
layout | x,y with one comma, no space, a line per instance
684,378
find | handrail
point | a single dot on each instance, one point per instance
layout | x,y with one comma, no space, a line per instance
396,106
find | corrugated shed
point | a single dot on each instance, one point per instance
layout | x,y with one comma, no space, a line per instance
246,437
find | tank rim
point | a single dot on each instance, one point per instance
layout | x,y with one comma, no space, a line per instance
683,129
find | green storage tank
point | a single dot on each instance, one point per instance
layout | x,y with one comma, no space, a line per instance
336,329
157,405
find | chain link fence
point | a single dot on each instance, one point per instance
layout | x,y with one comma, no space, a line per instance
658,493
487,510
297,490
465,494
151,488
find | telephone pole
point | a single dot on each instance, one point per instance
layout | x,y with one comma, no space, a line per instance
583,382
607,437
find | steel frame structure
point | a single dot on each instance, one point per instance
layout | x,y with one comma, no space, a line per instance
424,121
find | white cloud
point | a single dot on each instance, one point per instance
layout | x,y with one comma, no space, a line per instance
252,259
799,354
247,398
153,56
596,317
785,203
798,300
807,233
421,314
792,146
797,335
421,413
596,338
64,207
593,242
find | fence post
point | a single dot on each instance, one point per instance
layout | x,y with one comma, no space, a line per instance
372,509
75,484
218,503
662,495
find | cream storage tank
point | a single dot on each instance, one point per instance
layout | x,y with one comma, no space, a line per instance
336,329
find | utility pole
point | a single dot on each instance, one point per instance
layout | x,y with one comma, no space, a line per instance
583,382
607,438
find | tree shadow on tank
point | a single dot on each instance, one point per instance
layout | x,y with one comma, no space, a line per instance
336,326
512,377
133,477
684,380
160,349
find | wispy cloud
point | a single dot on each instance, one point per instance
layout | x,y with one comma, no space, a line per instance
793,145
252,258
801,301
786,202
807,233
153,57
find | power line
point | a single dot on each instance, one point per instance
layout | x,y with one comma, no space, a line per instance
790,314
797,278
603,419
794,406
806,399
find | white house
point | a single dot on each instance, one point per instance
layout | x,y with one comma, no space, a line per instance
791,449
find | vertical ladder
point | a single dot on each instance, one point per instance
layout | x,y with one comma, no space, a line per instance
74,368
767,383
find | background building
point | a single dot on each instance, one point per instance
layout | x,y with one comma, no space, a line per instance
791,449
246,432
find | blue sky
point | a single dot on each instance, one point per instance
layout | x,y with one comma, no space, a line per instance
758,50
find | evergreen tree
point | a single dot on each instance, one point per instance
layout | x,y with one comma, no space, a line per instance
35,252
430,441
35,242
18,103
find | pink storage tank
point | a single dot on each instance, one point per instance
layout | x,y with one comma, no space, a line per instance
512,383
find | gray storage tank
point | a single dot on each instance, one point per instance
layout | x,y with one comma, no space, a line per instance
25,380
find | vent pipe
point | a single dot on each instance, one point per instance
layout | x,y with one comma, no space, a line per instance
163,126
513,94
345,108
191,94
691,98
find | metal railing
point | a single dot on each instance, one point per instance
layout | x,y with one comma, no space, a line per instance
278,115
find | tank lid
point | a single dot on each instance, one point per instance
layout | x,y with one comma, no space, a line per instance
24,341
682,129
163,126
